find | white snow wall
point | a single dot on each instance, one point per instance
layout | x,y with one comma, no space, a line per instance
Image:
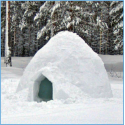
74,69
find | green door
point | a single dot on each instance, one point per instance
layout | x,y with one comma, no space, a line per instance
45,90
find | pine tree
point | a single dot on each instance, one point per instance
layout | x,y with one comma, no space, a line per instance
29,27
116,13
72,16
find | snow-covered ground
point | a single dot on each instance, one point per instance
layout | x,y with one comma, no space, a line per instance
15,109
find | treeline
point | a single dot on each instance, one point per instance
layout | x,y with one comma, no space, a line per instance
33,23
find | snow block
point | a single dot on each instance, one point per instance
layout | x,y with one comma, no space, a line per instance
73,68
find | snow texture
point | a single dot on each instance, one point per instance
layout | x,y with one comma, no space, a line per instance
15,109
71,65
119,6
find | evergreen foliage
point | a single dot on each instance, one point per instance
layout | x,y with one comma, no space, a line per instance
33,23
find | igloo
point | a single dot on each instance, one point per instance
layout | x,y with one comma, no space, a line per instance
66,67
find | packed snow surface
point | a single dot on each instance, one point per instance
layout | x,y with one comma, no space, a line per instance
74,69
15,109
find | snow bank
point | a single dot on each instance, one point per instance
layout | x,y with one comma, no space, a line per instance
71,65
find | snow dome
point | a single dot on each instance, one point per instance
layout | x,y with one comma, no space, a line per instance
70,69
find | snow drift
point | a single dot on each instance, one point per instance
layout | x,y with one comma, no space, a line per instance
74,69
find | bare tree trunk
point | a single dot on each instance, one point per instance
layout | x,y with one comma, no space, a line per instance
52,32
29,40
106,42
2,43
14,44
100,36
14,53
52,29
100,41
7,39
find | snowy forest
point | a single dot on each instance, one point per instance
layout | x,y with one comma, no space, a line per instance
33,23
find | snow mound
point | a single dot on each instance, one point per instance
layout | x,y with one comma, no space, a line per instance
74,69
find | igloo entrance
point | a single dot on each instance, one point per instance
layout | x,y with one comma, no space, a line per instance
45,90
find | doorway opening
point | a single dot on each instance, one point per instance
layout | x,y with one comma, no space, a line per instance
45,90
